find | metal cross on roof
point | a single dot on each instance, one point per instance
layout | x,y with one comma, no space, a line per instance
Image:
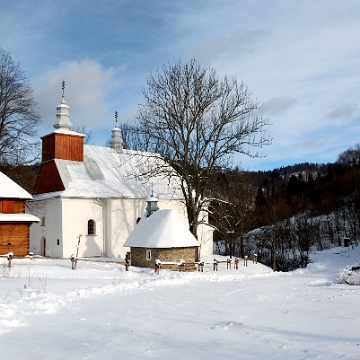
63,87
116,117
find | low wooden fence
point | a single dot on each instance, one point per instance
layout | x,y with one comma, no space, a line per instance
180,266
75,259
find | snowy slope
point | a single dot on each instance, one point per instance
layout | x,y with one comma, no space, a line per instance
99,311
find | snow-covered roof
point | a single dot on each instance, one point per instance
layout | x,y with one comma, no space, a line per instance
65,132
18,217
163,229
11,190
107,174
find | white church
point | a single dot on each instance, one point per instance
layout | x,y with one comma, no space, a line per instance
96,194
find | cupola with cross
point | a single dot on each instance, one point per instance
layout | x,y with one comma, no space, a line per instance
116,141
63,143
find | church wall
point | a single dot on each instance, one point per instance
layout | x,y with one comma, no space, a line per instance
65,219
205,238
123,216
44,235
75,214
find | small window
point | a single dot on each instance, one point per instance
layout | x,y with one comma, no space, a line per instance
57,242
8,206
42,221
148,254
91,227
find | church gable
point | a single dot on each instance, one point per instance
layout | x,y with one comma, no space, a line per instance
49,179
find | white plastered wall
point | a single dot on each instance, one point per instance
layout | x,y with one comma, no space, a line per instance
49,229
75,214
122,216
66,219
205,238
123,213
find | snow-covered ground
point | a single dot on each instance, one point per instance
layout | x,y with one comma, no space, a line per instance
99,311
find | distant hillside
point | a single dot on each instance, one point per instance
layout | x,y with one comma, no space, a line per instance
297,207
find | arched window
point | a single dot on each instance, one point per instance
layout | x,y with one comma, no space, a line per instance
91,227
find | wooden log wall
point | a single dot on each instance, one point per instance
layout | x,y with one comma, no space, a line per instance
15,237
11,206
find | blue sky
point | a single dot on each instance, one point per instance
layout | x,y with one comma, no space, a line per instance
299,58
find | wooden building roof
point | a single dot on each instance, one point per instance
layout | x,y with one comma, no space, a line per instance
11,190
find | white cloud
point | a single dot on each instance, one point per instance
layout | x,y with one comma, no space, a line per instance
87,86
278,105
343,111
300,58
238,41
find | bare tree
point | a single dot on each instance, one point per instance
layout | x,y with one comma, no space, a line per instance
350,157
133,138
231,210
197,122
88,139
19,117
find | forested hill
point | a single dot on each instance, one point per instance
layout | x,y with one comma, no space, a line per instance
295,207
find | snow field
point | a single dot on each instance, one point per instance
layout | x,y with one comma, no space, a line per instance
100,311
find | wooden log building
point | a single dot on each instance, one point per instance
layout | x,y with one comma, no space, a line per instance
14,222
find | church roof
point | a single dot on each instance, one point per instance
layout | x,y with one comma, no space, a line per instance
108,174
163,229
11,190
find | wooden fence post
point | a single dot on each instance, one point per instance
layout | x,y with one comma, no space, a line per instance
245,260
73,262
236,263
9,257
254,258
216,265
157,267
201,266
228,264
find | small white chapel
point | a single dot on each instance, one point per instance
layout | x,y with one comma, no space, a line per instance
90,197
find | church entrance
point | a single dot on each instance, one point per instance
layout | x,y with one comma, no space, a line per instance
43,246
